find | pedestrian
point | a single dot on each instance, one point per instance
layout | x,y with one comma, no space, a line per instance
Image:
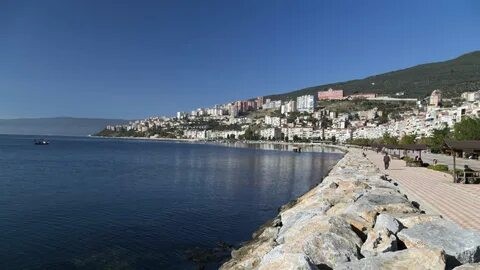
386,160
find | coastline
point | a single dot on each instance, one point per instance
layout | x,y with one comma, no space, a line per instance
342,148
356,218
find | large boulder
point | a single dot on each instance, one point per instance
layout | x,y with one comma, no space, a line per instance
339,244
412,259
460,245
386,221
410,219
304,227
331,249
378,201
468,266
377,242
279,259
250,254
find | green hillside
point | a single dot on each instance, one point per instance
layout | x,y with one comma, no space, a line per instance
452,77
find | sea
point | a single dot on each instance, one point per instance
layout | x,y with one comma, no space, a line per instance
95,203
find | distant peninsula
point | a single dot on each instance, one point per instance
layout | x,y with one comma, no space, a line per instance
61,126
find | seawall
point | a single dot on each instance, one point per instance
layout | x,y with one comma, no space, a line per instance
357,219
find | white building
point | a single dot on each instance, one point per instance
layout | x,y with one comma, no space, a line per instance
289,107
272,104
195,134
471,96
300,132
435,98
271,133
181,115
273,121
306,103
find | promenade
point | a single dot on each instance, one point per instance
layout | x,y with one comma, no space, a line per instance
435,191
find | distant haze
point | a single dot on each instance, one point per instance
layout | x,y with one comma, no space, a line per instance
63,126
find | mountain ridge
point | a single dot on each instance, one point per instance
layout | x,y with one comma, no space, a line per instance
452,76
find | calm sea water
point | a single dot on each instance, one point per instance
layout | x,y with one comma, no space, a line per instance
84,203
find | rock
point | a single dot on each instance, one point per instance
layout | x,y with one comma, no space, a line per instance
331,249
461,246
377,201
409,220
355,219
278,259
469,266
359,224
302,229
339,244
412,259
379,241
251,253
386,221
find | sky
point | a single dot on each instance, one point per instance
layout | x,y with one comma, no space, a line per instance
134,59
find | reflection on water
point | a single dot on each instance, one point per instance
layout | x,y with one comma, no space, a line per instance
84,203
284,147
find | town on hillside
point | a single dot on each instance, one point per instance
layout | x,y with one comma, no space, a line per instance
328,116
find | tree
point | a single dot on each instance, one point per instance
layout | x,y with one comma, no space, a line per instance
250,134
467,129
408,139
435,142
324,123
389,139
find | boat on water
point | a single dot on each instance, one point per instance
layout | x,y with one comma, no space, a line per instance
41,142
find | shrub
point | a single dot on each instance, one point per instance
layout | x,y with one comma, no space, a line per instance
439,167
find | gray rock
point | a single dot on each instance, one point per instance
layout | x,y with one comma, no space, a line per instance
279,259
379,200
460,245
339,244
379,242
330,249
412,259
409,220
469,266
386,221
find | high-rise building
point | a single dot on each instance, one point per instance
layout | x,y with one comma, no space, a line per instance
259,102
436,98
306,103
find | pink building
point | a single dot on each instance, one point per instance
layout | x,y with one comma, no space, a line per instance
330,94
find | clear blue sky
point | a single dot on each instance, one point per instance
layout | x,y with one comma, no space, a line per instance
132,59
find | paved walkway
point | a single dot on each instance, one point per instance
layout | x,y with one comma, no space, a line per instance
435,191
447,160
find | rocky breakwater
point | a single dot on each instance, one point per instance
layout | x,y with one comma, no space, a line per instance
357,219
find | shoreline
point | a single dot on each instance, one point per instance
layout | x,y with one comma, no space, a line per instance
355,218
341,148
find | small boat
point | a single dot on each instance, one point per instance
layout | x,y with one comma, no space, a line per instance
297,149
41,142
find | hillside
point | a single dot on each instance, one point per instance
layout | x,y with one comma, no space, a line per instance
452,77
65,126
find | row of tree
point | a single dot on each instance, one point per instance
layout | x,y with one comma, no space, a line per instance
467,129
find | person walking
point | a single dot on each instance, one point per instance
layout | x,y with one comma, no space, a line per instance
386,160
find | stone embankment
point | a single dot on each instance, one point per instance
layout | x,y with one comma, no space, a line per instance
357,219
